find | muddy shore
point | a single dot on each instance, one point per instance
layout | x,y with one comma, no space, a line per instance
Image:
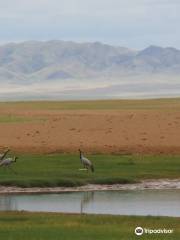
146,184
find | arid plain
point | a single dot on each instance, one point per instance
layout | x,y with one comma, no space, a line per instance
114,126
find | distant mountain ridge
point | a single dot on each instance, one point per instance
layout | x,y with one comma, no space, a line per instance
56,60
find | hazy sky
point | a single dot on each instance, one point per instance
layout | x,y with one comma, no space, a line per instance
131,23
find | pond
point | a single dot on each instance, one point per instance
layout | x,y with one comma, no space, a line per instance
134,202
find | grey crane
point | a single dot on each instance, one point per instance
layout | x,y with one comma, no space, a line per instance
7,162
2,155
86,162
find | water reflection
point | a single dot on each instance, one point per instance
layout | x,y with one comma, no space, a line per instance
86,198
145,202
8,203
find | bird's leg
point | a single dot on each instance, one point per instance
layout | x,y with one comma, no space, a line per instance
12,170
5,168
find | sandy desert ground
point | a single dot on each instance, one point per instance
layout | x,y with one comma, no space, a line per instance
143,128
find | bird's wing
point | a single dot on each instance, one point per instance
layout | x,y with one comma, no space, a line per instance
87,161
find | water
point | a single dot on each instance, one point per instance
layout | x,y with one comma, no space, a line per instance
141,202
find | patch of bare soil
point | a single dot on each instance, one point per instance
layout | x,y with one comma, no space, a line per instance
113,131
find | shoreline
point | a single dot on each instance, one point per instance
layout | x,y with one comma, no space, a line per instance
160,184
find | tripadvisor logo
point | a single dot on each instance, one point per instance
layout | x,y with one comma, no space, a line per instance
140,231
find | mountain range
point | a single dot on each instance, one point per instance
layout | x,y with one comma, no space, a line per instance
64,62
55,60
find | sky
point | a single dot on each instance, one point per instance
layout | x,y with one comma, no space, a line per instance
129,23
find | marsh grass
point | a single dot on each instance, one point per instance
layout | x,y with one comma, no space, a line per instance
63,170
46,226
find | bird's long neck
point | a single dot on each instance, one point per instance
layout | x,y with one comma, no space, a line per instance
5,153
80,154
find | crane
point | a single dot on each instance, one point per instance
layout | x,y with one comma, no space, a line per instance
2,155
7,162
86,162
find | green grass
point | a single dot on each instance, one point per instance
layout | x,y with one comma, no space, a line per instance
46,226
170,104
63,170
18,119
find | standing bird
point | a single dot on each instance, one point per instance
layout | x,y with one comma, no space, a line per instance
2,155
86,162
7,162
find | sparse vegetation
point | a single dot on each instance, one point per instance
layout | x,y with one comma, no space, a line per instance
160,104
18,119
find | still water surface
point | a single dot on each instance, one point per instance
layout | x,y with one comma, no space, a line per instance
141,202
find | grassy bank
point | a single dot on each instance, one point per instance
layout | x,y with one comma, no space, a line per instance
42,226
63,170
